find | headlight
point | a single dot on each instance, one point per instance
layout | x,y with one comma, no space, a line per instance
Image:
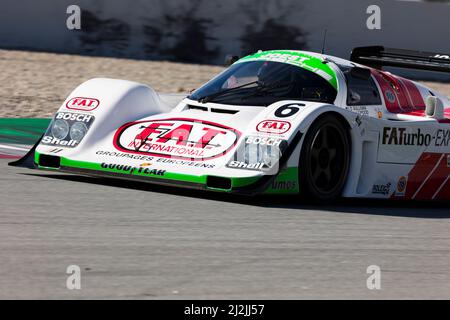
254,153
262,150
78,131
60,129
251,153
258,153
270,155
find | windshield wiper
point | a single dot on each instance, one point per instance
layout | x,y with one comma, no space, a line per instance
210,97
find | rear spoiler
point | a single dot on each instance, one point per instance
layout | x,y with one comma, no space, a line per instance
379,57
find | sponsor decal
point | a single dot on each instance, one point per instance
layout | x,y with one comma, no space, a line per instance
83,104
362,110
284,185
380,114
131,169
124,155
383,189
149,159
145,164
442,138
273,126
308,62
67,129
59,142
195,140
401,186
247,166
179,162
401,137
264,141
358,120
390,96
68,116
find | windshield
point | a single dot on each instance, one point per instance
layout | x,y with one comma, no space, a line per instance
261,83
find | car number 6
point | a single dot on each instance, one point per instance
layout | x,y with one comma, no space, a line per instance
286,111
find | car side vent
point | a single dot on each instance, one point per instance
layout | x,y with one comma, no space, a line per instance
216,110
49,161
191,107
224,111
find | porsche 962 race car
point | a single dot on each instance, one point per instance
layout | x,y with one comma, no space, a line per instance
284,122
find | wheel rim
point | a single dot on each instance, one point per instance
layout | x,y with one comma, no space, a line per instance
328,159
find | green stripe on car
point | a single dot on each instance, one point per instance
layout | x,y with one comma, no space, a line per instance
126,169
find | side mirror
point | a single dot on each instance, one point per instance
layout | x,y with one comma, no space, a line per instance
360,73
230,59
434,108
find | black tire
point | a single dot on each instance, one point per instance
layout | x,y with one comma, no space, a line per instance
324,160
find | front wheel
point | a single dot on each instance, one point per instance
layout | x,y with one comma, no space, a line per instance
324,159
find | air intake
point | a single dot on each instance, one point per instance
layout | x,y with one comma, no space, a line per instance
49,161
218,183
191,107
215,110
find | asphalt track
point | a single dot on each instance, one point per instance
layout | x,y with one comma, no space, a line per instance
135,240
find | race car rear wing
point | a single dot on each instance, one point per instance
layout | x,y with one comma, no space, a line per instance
379,57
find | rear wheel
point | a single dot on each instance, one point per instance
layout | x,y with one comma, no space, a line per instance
324,160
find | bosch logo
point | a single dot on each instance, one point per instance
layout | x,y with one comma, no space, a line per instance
74,117
83,104
267,141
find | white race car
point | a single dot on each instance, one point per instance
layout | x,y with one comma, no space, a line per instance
285,122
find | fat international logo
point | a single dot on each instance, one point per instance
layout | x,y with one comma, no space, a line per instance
191,139
82,104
